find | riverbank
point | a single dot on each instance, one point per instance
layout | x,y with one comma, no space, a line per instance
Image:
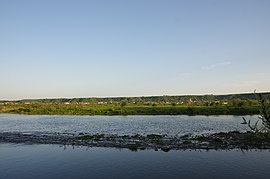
230,140
129,109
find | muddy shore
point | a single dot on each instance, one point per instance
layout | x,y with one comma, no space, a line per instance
230,140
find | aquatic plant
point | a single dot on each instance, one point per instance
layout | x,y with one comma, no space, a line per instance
264,116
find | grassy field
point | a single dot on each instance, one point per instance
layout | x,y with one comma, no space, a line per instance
232,104
128,109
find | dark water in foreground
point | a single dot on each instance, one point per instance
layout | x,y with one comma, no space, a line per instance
53,161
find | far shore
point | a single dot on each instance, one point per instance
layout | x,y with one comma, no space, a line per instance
231,104
114,110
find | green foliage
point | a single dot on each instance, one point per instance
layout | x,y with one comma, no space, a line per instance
241,104
154,136
123,103
238,102
129,109
196,99
91,137
264,116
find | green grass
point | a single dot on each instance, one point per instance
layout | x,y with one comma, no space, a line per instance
130,109
91,137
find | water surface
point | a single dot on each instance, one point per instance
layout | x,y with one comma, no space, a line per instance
170,125
53,161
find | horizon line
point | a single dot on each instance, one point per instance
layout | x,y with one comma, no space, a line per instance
217,94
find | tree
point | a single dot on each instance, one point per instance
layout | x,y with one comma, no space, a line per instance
237,102
123,103
264,116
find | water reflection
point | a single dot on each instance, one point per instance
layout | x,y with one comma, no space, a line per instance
54,161
74,147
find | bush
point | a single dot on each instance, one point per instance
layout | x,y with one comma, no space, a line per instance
123,103
264,116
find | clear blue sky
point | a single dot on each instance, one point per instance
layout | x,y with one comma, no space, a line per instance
85,48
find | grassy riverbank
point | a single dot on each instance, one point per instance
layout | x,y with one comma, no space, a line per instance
232,104
128,109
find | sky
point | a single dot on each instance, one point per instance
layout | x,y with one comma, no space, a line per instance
105,48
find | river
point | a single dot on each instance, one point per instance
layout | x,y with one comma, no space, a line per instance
122,125
53,161
59,161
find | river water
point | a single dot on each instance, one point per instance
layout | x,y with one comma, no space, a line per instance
170,125
56,161
53,161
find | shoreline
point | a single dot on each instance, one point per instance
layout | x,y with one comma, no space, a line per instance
216,141
129,114
116,110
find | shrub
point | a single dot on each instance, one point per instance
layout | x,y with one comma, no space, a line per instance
264,116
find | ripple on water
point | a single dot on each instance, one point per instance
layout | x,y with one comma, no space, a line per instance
121,125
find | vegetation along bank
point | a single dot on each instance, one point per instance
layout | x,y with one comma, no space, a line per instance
235,104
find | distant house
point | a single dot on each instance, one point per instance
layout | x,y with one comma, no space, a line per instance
84,103
7,103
